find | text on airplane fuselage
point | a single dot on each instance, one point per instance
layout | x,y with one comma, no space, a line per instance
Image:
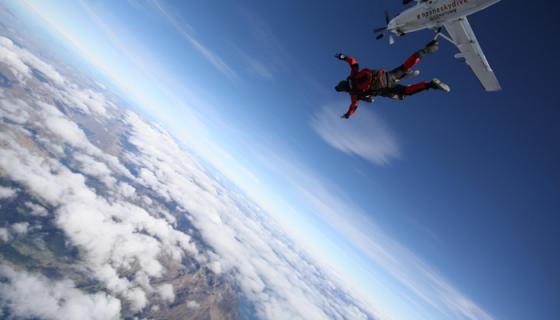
443,10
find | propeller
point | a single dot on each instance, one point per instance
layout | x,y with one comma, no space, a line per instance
382,31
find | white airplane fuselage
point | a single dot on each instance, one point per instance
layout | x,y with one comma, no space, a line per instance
432,14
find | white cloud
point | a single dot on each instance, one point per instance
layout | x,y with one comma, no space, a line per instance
191,304
92,167
93,161
20,227
126,190
63,127
14,110
86,100
6,193
37,210
166,292
34,296
21,61
11,58
4,234
364,135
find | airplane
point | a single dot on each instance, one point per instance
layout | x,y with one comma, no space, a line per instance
451,14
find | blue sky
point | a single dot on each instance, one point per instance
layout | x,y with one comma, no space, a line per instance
461,190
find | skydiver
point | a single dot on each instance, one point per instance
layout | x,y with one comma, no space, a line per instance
365,84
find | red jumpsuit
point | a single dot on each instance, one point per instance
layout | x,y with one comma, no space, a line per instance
366,83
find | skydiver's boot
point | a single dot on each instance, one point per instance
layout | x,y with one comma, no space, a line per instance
431,47
439,85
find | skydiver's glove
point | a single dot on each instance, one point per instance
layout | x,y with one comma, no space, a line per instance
340,56
345,116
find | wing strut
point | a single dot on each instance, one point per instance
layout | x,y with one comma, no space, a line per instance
443,35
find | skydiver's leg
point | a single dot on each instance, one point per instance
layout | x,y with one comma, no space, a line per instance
400,71
417,87
403,69
403,91
396,91
422,86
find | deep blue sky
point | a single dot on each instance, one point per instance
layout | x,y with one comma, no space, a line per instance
475,190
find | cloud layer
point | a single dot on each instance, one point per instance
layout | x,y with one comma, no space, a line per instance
117,187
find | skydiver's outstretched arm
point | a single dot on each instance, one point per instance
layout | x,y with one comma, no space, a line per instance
352,108
350,60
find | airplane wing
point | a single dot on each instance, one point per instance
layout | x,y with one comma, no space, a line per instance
462,34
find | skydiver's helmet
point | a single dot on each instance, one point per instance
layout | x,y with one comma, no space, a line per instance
343,85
